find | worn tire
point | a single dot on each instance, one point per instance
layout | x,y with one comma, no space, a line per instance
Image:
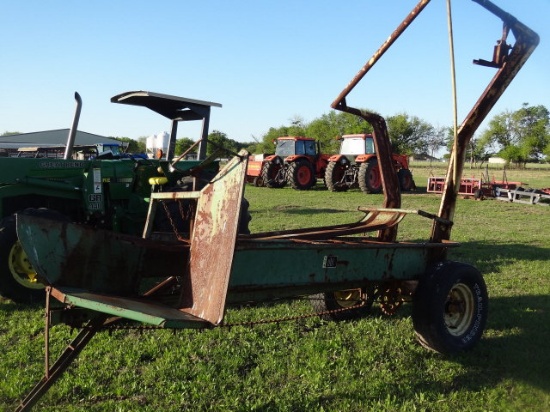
18,280
301,175
334,175
329,301
258,181
406,181
273,174
369,177
450,307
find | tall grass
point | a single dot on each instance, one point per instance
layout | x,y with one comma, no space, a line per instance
372,364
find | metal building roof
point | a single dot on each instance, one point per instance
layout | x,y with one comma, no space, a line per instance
51,138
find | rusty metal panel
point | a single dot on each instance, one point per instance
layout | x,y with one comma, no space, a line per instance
213,242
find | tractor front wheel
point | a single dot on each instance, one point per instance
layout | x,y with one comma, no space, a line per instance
343,305
301,175
370,180
406,181
18,280
335,177
450,307
273,175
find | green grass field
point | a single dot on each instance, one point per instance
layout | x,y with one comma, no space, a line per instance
372,364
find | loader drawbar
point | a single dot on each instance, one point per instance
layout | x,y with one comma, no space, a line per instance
97,279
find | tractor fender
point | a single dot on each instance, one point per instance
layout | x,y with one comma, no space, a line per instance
338,158
322,163
294,158
403,160
273,158
364,158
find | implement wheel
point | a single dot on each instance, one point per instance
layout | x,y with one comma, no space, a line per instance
340,302
450,308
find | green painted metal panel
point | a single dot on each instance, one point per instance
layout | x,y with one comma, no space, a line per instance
268,264
137,309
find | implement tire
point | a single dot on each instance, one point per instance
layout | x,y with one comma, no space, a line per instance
450,307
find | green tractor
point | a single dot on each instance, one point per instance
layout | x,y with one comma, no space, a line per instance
108,192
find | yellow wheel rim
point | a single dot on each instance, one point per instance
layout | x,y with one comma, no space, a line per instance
348,298
21,269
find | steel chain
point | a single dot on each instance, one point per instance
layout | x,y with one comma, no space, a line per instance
248,323
171,220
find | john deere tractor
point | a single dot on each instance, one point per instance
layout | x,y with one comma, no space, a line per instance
102,192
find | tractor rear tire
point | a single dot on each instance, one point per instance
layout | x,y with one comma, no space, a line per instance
450,307
273,174
370,180
18,280
334,177
336,305
406,181
301,175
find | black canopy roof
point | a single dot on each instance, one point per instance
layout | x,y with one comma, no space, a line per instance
172,107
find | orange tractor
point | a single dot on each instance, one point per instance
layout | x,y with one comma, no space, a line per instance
297,160
357,166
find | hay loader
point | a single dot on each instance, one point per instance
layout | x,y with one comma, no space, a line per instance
98,278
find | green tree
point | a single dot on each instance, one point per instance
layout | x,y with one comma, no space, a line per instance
410,134
267,144
437,140
131,145
520,136
182,145
220,140
329,127
546,152
141,145
6,133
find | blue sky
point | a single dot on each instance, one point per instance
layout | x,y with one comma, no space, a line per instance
265,61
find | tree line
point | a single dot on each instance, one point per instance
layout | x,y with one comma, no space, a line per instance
521,136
